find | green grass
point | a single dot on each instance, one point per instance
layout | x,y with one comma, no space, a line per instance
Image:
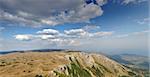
74,69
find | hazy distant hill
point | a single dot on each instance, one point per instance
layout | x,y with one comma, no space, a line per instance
41,50
61,64
131,59
135,62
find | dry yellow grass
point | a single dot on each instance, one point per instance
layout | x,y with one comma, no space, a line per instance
30,64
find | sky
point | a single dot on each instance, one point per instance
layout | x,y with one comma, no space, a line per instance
107,26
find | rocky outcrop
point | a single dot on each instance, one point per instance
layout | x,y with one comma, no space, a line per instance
61,64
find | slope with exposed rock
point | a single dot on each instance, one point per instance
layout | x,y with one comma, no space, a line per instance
61,64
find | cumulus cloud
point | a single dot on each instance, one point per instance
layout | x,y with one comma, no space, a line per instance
15,19
23,37
50,22
48,31
45,37
70,34
67,37
87,12
83,14
81,33
76,33
50,12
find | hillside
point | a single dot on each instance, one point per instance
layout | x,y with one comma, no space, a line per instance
134,62
61,64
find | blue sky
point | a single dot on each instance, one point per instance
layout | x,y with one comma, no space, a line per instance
118,26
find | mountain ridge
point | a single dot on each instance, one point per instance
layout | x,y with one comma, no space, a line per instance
61,64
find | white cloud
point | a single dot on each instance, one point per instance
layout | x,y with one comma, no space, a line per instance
80,33
54,35
128,1
49,22
5,16
133,1
50,12
24,14
89,11
83,14
101,2
48,31
23,37
64,38
91,28
76,33
45,37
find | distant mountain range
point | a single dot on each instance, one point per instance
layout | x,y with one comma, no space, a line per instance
40,50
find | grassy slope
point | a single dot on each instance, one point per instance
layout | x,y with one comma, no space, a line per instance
63,64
